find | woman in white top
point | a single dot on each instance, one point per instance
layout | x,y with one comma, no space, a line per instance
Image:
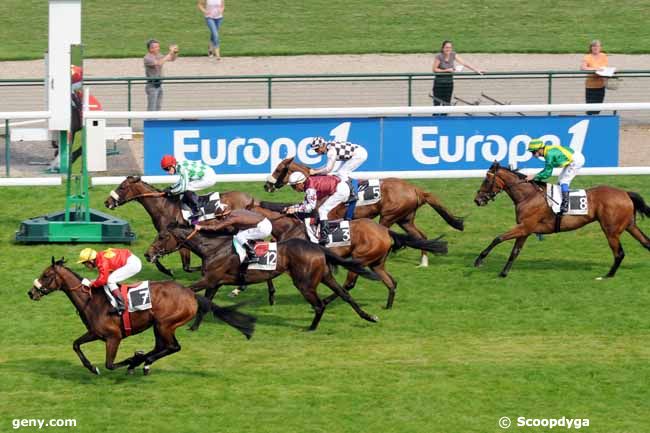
213,12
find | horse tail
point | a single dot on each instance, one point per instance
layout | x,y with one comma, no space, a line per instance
434,202
640,205
244,323
351,265
436,246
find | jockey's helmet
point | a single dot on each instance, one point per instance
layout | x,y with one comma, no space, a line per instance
86,255
296,177
318,142
167,161
535,145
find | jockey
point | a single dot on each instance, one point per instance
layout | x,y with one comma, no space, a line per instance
250,226
316,188
557,156
351,154
194,176
114,265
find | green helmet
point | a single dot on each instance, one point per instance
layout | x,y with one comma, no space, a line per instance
535,145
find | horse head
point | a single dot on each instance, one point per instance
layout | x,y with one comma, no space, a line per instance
279,177
131,188
168,241
497,178
50,280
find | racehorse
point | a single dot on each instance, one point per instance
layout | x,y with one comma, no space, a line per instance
308,265
613,208
399,202
370,244
174,305
165,210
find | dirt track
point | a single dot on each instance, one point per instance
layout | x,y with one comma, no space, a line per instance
634,132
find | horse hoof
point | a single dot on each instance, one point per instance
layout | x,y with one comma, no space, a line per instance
503,274
95,371
478,263
374,318
234,293
138,353
193,328
130,372
146,370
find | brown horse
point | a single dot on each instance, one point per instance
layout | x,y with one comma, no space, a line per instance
174,305
370,244
165,210
307,264
613,208
399,202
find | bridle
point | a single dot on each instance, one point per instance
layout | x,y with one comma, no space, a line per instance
491,193
181,243
119,200
43,290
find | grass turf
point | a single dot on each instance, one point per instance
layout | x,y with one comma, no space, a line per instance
336,26
461,348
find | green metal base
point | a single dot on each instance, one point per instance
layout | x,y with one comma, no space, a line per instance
53,228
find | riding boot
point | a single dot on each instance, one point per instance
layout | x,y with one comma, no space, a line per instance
324,232
251,257
353,192
119,302
191,199
564,207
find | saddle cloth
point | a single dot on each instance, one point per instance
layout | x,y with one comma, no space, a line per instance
578,203
209,205
268,256
340,232
368,192
137,297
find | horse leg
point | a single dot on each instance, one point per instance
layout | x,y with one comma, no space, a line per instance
139,357
271,287
311,296
517,231
76,346
112,344
516,249
408,225
350,282
330,282
389,282
617,249
170,345
198,319
185,260
637,234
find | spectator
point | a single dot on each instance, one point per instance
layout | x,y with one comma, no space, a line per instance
444,65
153,63
213,12
594,84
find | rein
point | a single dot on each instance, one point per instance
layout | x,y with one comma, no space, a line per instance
507,186
135,197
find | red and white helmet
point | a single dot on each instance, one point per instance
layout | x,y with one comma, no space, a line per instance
318,142
167,161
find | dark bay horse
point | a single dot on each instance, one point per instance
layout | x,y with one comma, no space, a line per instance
174,305
399,202
613,208
307,264
370,244
165,210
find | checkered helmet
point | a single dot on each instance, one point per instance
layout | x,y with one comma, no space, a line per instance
318,142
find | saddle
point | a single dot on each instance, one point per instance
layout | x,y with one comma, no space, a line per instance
340,233
210,206
137,297
578,202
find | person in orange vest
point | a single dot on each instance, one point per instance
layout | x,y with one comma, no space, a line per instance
114,266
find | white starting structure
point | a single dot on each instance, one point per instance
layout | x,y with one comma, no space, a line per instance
77,222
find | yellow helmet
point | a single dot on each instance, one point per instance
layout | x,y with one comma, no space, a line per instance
86,255
535,145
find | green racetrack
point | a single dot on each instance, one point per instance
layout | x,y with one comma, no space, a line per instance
461,348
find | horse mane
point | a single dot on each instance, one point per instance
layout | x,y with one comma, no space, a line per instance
274,206
515,171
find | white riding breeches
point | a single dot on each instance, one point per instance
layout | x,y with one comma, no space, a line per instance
570,171
341,195
347,167
262,230
133,266
209,179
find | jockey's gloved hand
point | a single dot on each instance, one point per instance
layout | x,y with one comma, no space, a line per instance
86,282
168,191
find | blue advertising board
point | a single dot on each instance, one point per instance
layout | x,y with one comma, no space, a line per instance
393,143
